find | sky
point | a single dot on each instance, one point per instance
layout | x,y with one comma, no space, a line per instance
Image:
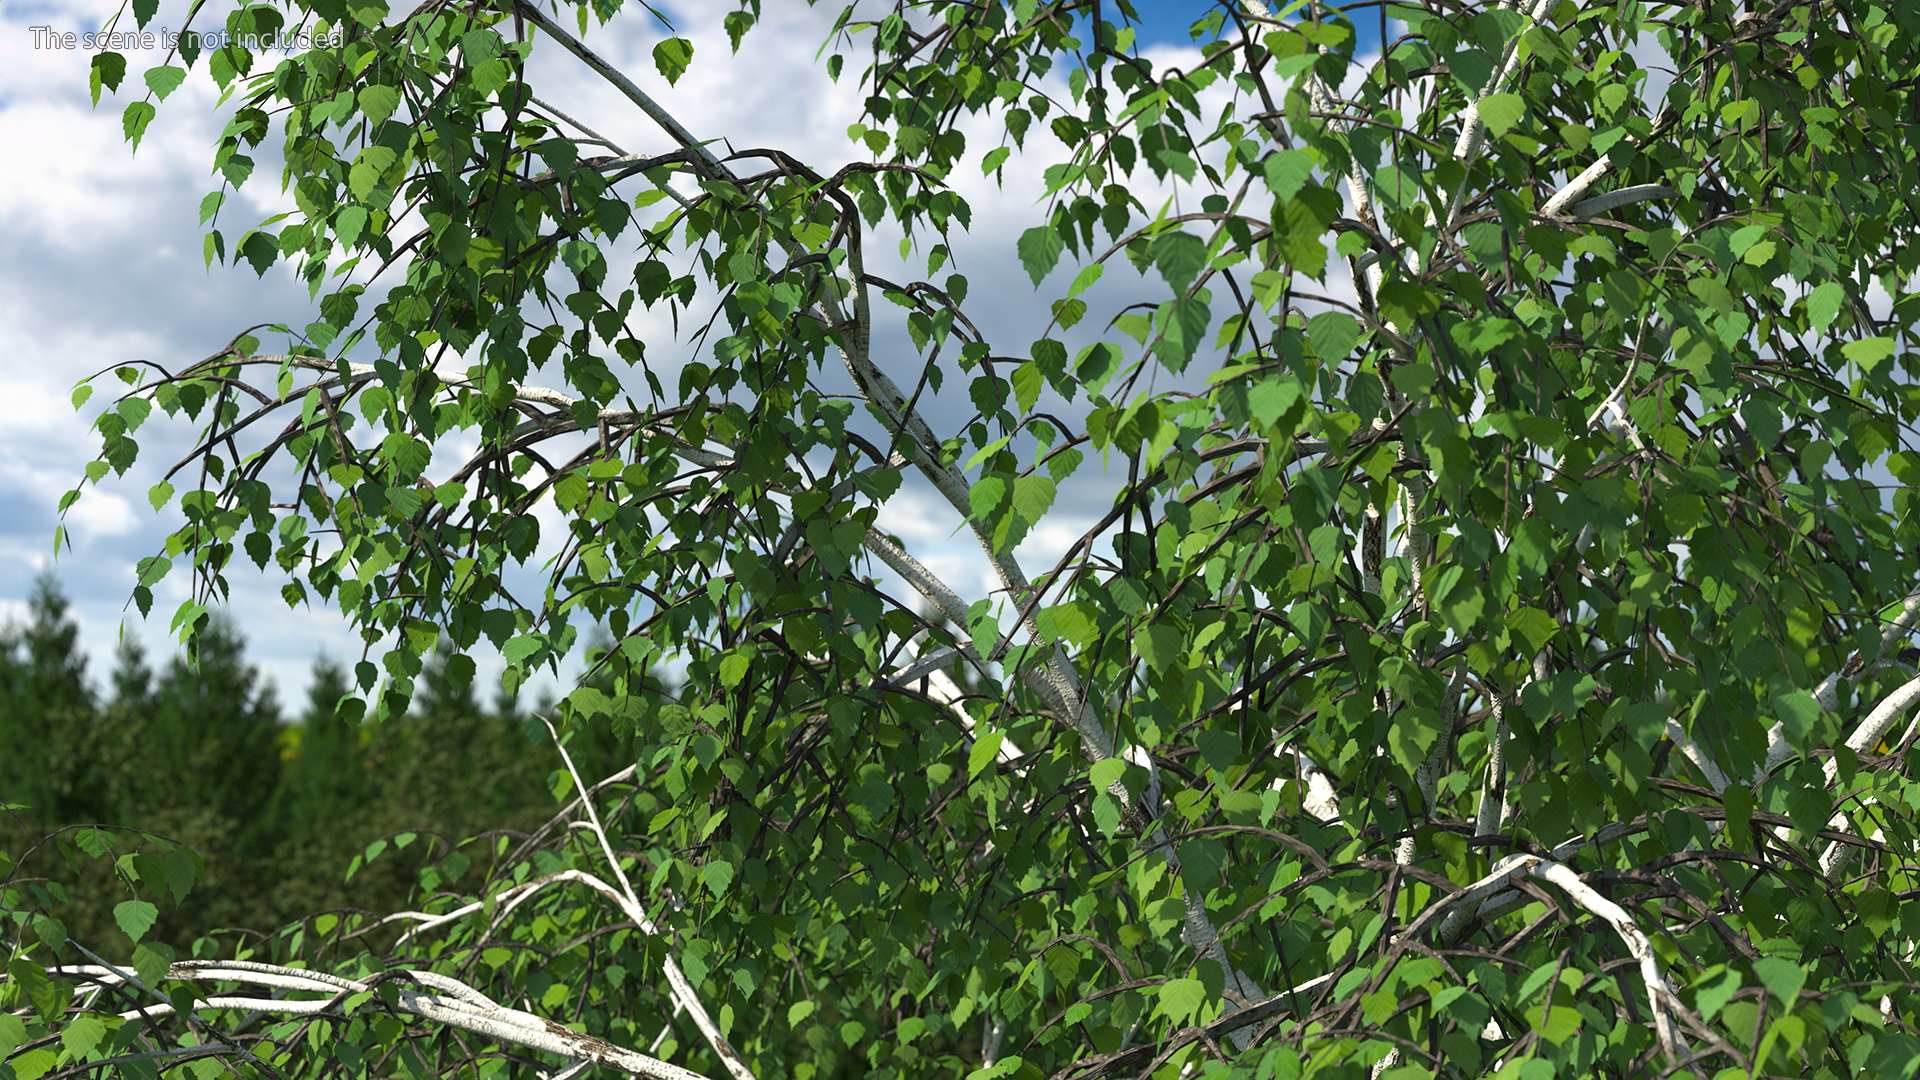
101,265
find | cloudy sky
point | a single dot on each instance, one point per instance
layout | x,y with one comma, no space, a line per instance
100,264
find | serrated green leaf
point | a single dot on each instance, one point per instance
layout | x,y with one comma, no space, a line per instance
13,1032
81,1035
1501,112
1333,334
1286,172
347,223
1183,326
1272,398
378,101
1040,248
1032,495
1870,353
672,57
1798,713
105,70
1180,257
986,496
1823,303
1027,381
34,1064
165,80
1712,996
133,122
1159,645
986,746
1085,278
1182,999
1782,978
135,917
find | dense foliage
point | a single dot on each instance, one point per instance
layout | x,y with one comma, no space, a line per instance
198,759
1490,663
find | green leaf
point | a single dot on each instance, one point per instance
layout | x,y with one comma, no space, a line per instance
1085,278
81,1035
407,456
166,79
1782,978
1180,257
1501,112
13,1032
672,56
1160,644
1032,495
1028,380
1071,622
1798,713
1413,734
1870,353
106,69
1286,172
1179,163
34,1064
135,917
1040,249
378,101
1183,327
151,962
179,870
1713,996
1333,334
348,221
985,497
986,746
260,249
1823,303
1201,862
1182,999
133,122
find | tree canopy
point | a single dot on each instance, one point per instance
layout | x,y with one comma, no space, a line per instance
1492,660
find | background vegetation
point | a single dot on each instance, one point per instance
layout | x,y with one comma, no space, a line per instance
277,807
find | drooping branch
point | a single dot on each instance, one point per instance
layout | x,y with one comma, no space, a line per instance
430,996
619,81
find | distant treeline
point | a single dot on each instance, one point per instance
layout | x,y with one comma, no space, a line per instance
203,756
